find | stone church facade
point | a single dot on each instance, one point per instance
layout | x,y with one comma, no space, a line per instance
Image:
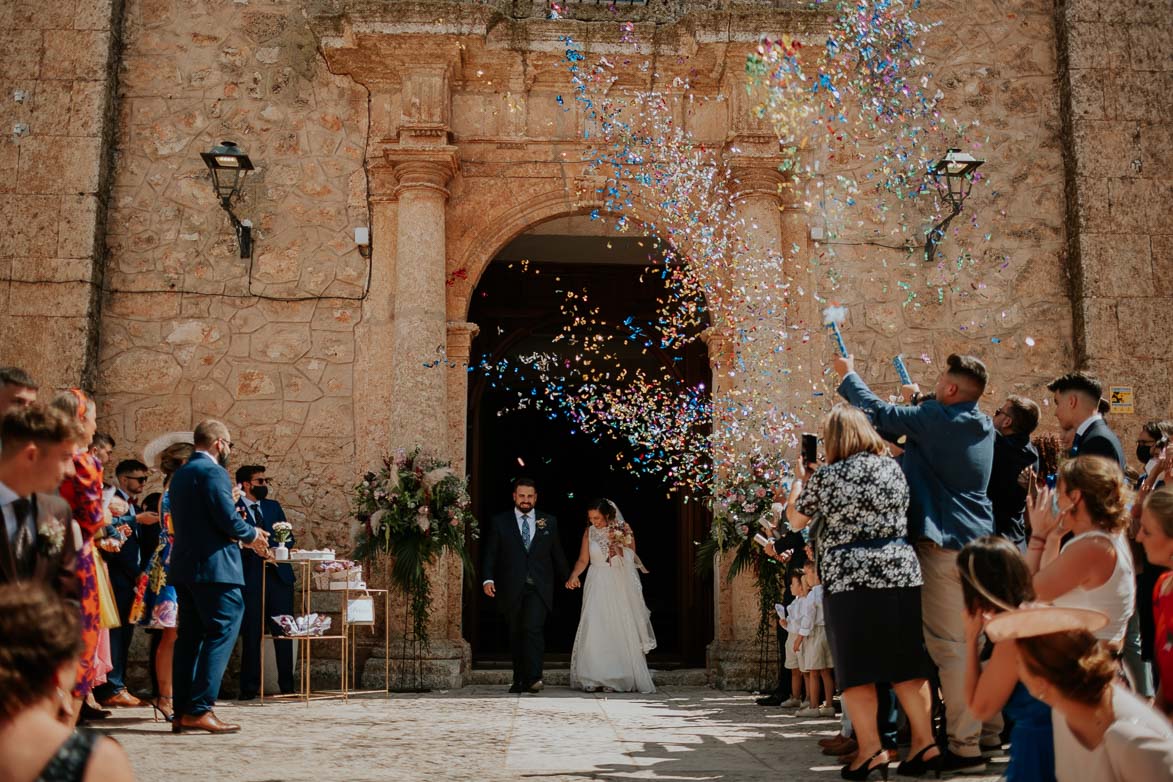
435,124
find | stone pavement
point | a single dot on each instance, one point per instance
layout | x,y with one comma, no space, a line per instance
483,733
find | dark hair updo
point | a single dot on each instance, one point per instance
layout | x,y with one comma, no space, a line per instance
991,567
605,507
1074,661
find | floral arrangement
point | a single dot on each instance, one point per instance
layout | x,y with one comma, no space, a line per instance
415,508
282,532
619,537
743,503
51,536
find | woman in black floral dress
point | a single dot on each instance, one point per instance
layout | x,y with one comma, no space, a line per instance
872,583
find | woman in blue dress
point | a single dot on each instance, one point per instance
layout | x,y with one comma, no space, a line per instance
156,606
995,578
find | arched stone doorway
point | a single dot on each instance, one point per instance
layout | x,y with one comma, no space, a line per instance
518,313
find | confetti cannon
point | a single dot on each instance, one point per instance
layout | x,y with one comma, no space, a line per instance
902,370
832,317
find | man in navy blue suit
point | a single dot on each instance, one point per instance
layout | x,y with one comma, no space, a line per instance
948,458
1077,403
278,588
208,577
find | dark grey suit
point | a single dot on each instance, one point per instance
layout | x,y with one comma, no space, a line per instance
57,570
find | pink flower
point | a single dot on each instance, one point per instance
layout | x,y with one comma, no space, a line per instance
760,493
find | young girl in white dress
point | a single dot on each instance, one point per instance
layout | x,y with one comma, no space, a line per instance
615,630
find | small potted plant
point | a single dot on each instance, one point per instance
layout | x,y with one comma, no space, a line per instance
282,533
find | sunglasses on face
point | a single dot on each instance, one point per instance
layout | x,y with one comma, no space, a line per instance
261,481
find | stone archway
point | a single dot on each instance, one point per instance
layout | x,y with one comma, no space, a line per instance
512,308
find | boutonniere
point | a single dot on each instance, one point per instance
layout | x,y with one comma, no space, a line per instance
541,523
51,536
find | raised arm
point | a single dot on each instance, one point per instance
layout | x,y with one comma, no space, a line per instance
894,419
584,559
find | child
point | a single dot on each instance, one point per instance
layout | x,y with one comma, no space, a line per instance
814,652
790,624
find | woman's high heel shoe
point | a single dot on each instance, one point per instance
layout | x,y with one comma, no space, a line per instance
917,766
162,705
865,771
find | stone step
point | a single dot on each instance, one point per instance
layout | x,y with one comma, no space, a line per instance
681,677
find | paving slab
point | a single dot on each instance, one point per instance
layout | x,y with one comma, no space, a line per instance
484,733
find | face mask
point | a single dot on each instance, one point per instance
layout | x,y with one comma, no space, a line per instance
1144,453
260,492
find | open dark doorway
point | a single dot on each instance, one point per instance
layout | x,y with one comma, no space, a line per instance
517,307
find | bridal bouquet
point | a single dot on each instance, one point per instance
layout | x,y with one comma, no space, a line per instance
414,508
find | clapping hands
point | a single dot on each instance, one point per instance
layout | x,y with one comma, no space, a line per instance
1041,514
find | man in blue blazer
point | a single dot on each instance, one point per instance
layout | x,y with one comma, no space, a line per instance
1077,401
278,588
948,458
208,577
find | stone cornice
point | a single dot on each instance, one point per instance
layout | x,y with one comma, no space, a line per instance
422,167
756,174
460,335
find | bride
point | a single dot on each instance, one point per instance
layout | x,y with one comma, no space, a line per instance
615,630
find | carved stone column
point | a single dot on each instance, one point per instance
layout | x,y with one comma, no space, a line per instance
418,396
735,654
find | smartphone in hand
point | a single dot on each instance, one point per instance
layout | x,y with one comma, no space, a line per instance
810,448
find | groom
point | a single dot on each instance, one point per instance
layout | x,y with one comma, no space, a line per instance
523,550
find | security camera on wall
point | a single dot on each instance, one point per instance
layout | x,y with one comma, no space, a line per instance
362,238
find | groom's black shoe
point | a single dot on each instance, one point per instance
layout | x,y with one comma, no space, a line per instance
516,688
536,687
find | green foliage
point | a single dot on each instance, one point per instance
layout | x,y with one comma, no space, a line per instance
414,509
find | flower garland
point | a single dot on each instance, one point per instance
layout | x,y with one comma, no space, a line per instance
415,508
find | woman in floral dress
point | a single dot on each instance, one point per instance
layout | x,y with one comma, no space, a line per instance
83,492
155,603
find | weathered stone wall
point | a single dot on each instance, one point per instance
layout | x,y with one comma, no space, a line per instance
57,63
189,329
1117,92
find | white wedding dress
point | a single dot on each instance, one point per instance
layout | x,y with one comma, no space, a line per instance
615,630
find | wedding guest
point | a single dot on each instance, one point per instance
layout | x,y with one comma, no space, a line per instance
870,571
1156,460
262,511
124,566
83,492
37,542
38,664
17,389
1154,435
1103,732
1014,453
789,625
782,550
102,448
995,578
947,461
208,577
1076,397
1156,535
156,606
812,648
1094,569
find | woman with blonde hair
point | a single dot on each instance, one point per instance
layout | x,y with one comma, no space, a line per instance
1094,569
1156,535
869,571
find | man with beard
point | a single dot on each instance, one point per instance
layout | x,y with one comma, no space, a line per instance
276,584
208,577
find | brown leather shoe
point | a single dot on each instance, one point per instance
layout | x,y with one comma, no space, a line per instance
849,747
207,721
123,700
838,738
